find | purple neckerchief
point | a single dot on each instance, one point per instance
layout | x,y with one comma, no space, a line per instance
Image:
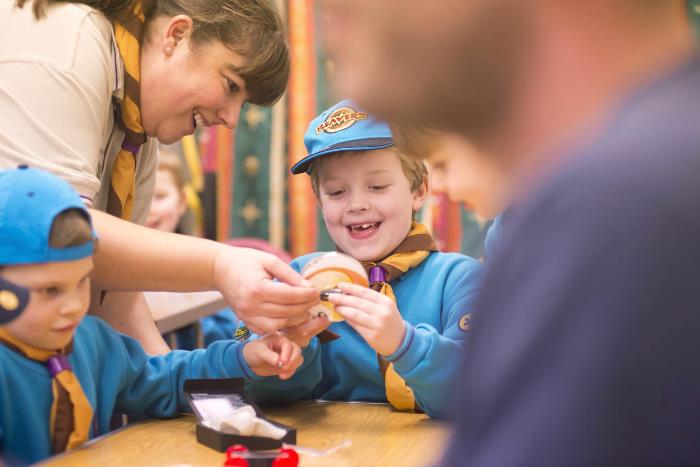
377,274
57,364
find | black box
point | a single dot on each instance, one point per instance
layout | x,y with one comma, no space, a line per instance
234,391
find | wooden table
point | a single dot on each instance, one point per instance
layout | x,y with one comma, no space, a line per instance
379,436
172,310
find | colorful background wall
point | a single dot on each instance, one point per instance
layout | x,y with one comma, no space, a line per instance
247,190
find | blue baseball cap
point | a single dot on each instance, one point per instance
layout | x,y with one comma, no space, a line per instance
30,200
343,127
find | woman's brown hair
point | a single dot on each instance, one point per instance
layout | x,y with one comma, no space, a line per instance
112,9
251,28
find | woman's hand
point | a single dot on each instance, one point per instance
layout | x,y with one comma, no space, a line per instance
273,354
302,333
245,278
373,315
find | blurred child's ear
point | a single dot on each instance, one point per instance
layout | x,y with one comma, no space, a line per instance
182,205
419,194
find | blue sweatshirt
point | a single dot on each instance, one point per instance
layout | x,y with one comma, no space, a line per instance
116,375
435,300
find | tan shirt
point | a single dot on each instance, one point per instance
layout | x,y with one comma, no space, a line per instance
58,76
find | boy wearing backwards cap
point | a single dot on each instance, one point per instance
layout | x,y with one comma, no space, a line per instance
402,338
62,373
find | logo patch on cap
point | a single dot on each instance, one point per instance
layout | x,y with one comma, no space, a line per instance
341,119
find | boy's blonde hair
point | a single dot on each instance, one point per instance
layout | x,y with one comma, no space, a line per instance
415,170
70,228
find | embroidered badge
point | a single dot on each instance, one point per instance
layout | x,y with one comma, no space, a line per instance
341,119
8,300
241,334
465,322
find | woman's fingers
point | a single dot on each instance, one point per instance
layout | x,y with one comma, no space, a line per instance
287,295
262,325
302,333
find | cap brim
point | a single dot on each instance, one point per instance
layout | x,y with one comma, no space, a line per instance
356,145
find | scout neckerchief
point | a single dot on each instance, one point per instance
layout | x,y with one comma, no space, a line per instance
71,413
122,189
410,253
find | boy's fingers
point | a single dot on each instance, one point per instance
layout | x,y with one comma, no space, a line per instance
350,300
266,354
363,331
361,292
295,358
358,317
286,347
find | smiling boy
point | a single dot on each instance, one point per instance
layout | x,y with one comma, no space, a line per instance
63,374
402,338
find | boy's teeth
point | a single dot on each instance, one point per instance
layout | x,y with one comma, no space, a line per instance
362,226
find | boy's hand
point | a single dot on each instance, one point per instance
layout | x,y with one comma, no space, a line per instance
273,354
373,315
302,333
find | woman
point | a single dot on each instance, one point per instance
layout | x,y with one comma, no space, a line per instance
87,87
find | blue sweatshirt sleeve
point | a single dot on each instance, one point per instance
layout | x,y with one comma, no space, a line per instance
427,359
152,385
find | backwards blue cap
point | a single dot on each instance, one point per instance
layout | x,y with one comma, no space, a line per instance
342,128
30,200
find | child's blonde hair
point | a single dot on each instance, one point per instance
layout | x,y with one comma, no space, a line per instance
415,170
168,160
415,142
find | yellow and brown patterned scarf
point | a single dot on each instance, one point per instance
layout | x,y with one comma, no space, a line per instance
122,190
410,253
71,413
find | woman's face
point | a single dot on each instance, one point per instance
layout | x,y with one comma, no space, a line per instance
168,203
182,87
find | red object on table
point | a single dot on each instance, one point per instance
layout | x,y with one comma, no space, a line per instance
288,458
238,455
233,456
